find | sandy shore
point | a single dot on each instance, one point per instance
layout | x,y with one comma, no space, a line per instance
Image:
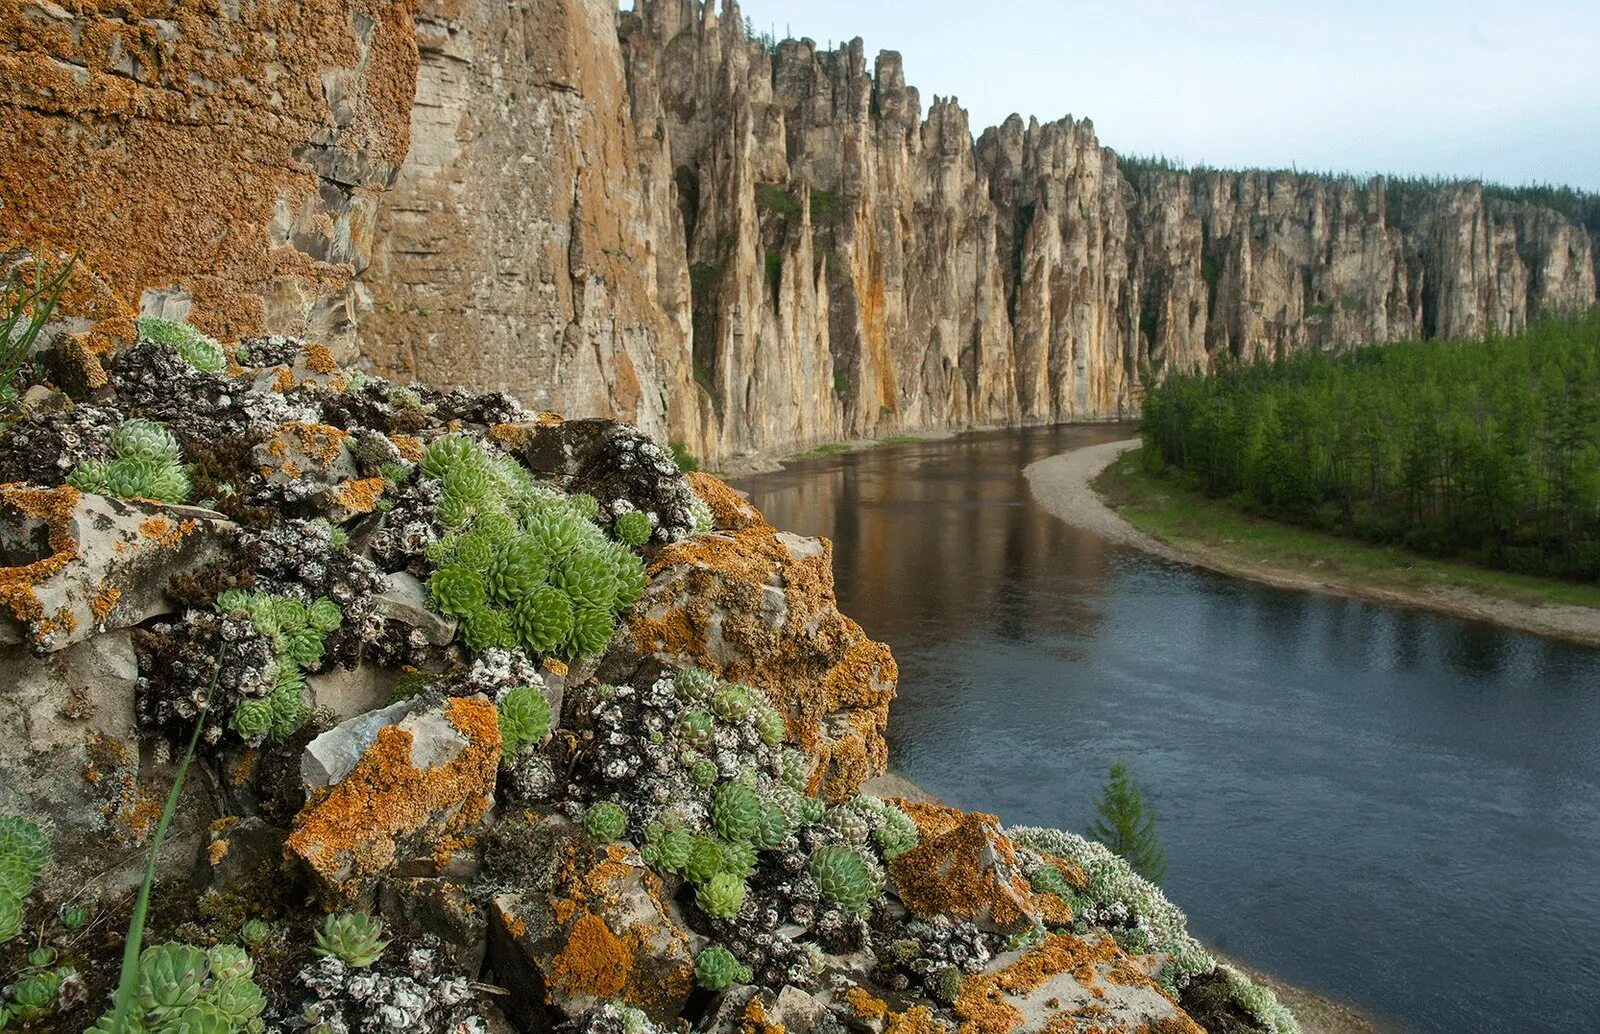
1061,485
1317,1014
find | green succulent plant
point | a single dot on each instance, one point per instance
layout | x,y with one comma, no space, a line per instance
897,835
843,876
200,351
704,861
253,718
10,915
591,631
672,850
254,932
584,505
238,1000
770,726
456,591
22,839
605,821
703,772
796,769
73,917
721,896
324,615
716,969
587,578
556,532
773,829
355,938
732,703
518,568
172,977
852,827
735,812
695,684
443,455
697,728
304,647
145,440
497,527
738,859
543,620
486,629
89,476
15,876
629,573
524,720
230,960
633,528
470,484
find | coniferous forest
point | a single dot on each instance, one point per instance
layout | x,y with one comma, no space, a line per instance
1485,450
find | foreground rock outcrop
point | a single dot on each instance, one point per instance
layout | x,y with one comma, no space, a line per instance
492,721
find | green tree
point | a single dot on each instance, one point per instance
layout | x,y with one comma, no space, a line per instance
1127,827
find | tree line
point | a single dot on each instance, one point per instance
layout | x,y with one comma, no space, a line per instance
1488,450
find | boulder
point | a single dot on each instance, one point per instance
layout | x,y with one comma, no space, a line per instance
755,605
1068,983
588,925
423,781
77,564
436,907
242,853
70,759
405,599
965,867
748,1008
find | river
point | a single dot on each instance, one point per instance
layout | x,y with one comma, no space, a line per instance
1396,809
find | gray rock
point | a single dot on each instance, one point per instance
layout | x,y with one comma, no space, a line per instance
348,692
86,563
405,599
613,936
334,754
70,758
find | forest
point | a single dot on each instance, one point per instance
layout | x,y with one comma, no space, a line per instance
1485,450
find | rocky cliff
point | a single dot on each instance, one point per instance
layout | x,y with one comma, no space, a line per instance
650,215
892,274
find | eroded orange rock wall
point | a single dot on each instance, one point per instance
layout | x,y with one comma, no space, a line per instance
220,154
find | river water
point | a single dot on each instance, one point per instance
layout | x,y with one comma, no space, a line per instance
1396,809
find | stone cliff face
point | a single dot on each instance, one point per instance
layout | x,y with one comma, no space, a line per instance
861,267
650,215
517,248
220,157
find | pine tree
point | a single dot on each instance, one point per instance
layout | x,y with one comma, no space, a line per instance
1127,827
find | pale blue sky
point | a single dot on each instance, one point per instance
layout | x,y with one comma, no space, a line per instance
1508,91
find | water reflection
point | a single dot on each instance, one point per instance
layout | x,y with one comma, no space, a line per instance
1397,808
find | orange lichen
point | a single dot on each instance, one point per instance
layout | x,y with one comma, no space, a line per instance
360,496
217,852
594,961
163,531
321,442
959,873
319,359
817,665
104,602
408,445
918,1019
864,1004
729,509
753,1020
282,379
351,832
512,436
55,507
982,1005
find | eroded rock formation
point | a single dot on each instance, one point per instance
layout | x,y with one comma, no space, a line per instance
225,157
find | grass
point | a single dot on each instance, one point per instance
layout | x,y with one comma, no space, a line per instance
1192,521
830,449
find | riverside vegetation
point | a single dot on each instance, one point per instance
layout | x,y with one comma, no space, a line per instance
492,720
1487,451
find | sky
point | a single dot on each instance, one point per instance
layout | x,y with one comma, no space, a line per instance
1502,91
